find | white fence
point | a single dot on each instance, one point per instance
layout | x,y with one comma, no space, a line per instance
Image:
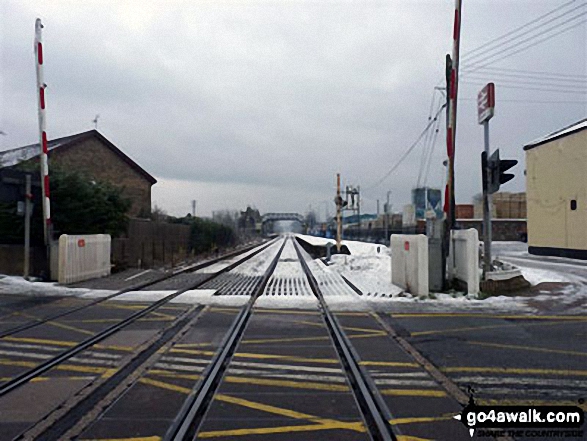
83,257
465,265
409,263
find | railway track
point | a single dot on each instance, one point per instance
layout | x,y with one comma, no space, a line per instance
136,287
93,394
206,372
373,408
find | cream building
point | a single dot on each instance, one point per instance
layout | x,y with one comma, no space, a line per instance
556,186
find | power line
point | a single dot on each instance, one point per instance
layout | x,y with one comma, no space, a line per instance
435,137
536,73
531,101
513,31
531,88
407,152
520,77
469,56
531,82
474,67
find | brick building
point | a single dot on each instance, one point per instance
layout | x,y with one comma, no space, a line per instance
95,156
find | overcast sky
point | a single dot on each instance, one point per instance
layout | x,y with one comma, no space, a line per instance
261,103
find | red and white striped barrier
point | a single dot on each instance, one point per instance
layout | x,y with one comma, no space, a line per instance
452,116
42,128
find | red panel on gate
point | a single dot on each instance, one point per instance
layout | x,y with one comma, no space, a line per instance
81,243
407,246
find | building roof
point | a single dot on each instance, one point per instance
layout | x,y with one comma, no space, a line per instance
573,128
9,158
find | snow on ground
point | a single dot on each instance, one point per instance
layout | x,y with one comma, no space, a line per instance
19,286
536,276
369,269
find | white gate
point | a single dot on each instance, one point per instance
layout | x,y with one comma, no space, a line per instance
83,257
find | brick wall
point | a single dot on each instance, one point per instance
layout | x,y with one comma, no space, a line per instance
510,229
97,161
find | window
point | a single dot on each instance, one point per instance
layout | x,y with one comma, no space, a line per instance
573,204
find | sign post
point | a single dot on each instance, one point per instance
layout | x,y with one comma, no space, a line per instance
485,111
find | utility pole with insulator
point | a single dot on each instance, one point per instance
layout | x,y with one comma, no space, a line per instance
339,204
43,136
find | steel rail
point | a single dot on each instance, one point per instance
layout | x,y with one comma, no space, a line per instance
190,416
55,427
373,408
139,286
25,377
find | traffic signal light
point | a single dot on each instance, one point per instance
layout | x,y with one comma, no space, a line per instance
495,169
340,202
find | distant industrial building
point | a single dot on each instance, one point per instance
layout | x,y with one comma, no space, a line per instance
96,157
557,193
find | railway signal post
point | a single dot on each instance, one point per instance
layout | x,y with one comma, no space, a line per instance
485,111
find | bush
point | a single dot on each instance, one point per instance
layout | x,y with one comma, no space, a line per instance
78,206
206,235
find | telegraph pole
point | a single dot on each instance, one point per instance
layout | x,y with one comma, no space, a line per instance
387,217
359,209
338,201
194,207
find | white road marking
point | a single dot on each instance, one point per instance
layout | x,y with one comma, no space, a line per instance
137,275
258,365
524,381
423,383
47,356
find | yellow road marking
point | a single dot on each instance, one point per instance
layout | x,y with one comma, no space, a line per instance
294,339
411,438
476,328
270,430
518,371
283,340
61,367
192,345
389,364
261,407
39,379
158,319
61,325
503,317
527,348
164,385
414,393
346,328
416,420
64,343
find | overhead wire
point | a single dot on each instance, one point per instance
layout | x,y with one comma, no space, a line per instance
513,31
540,89
504,54
435,137
427,140
470,55
532,73
406,153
